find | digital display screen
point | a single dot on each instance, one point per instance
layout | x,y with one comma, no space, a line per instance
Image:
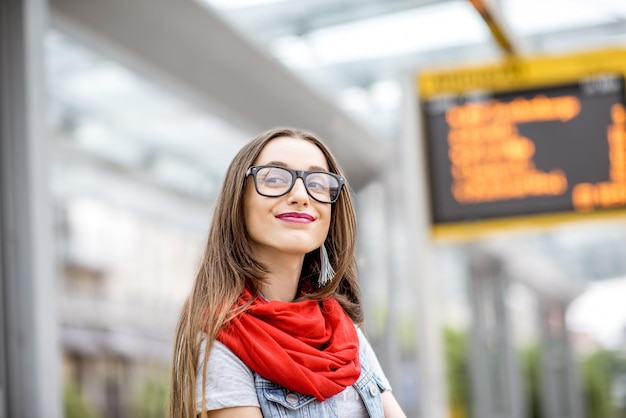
529,151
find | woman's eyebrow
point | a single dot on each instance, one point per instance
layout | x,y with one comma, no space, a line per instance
283,164
280,163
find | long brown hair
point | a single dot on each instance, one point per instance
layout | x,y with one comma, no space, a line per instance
228,265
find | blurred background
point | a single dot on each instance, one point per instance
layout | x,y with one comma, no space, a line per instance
120,117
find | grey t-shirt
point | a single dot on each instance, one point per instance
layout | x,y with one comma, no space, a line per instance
230,383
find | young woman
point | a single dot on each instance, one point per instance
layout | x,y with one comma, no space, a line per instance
271,327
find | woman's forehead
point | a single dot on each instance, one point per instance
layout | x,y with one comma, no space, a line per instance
293,153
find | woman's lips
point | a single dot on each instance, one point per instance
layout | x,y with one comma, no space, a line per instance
297,217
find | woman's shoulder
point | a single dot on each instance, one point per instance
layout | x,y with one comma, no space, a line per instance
369,355
364,342
228,382
222,357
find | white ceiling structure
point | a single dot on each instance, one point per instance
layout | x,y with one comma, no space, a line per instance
162,93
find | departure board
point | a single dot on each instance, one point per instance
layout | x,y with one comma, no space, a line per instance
519,140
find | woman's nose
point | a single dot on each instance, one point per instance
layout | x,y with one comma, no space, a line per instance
298,192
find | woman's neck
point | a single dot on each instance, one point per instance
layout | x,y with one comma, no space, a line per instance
283,278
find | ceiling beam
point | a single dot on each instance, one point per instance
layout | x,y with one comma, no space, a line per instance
302,17
187,47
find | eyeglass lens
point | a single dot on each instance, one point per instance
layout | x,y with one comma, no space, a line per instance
276,181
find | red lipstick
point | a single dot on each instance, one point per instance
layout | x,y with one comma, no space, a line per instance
297,217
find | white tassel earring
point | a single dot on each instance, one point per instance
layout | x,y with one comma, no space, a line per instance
326,269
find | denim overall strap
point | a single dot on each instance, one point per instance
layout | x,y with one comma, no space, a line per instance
277,402
370,387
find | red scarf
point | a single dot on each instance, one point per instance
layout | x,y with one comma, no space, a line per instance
310,347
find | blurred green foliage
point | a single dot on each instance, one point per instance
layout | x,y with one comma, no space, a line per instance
74,405
530,372
151,399
602,373
457,372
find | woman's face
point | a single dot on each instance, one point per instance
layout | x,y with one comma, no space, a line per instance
294,223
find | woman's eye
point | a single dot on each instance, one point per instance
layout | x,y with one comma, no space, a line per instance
277,178
318,182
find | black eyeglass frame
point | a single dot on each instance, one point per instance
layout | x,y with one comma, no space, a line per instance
295,175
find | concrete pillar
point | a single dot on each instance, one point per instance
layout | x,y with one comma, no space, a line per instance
495,376
421,280
559,380
29,348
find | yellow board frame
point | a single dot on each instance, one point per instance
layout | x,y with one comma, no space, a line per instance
519,73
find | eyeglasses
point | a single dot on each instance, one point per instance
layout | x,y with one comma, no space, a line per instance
275,181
